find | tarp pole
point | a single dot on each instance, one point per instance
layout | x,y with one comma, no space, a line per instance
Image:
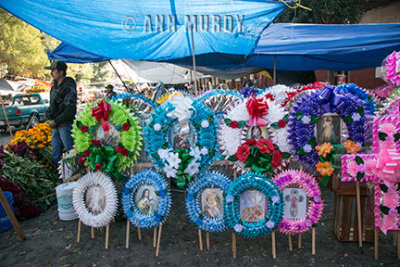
274,70
194,62
116,72
5,115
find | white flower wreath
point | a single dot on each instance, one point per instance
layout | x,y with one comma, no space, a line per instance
95,199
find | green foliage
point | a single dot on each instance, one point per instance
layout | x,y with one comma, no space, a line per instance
326,12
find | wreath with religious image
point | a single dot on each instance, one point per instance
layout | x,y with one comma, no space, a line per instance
253,136
303,204
95,199
107,137
146,199
253,205
306,115
204,201
181,138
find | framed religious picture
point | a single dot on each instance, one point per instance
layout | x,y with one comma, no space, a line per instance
146,199
95,199
252,206
329,129
295,202
211,202
257,133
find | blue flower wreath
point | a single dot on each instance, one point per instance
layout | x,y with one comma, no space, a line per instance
274,200
204,124
308,110
135,216
193,201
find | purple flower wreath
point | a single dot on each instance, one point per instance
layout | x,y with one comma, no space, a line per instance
308,110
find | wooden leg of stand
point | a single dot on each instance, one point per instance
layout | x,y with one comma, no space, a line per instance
299,241
394,238
360,232
273,246
155,237
290,242
398,245
128,225
376,241
92,232
158,240
139,234
107,235
200,240
78,236
313,240
11,215
234,245
208,240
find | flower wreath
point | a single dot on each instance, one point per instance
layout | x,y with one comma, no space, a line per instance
265,155
392,69
80,199
131,210
194,201
301,180
181,163
273,211
367,97
98,154
309,109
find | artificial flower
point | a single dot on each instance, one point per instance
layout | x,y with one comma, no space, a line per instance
238,228
282,123
270,224
126,126
97,166
242,153
276,159
265,146
204,151
393,212
356,116
257,108
351,146
169,171
308,223
276,199
390,200
173,160
196,153
157,127
325,168
251,142
388,129
118,149
86,153
95,142
306,120
324,149
229,198
205,124
84,128
352,168
192,168
125,152
81,159
163,153
234,124
307,148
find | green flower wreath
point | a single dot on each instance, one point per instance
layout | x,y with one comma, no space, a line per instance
111,159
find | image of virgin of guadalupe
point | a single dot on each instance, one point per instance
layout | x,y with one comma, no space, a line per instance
182,135
111,138
257,133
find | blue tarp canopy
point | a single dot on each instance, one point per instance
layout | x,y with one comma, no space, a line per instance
154,30
325,47
297,47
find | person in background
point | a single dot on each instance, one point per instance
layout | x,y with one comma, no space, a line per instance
62,110
110,92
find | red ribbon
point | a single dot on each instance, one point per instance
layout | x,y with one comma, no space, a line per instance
257,108
101,112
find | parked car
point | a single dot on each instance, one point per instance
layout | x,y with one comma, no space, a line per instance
25,110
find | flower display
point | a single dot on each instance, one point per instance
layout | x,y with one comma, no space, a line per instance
324,168
37,137
324,149
351,147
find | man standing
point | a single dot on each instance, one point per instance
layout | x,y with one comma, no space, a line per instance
62,110
110,92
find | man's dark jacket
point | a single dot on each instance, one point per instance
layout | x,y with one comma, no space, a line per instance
63,102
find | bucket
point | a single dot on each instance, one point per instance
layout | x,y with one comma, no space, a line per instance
66,211
5,223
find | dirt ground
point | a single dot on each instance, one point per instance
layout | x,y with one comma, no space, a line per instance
51,242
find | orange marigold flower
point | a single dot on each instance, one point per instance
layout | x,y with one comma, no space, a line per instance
352,147
325,168
324,149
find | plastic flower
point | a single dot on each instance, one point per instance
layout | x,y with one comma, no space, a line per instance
324,149
238,228
282,123
270,224
173,160
97,166
356,116
276,199
169,171
276,159
192,168
242,153
126,126
163,153
351,146
251,142
352,168
265,146
196,153
157,127
388,129
84,128
306,120
205,124
325,168
229,198
233,124
307,148
390,200
81,159
86,153
125,152
204,151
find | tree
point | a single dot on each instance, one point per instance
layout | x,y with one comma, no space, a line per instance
326,12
